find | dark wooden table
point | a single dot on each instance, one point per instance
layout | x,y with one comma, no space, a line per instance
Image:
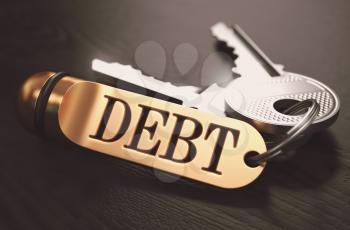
46,186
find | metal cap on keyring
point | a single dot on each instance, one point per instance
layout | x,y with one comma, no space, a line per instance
39,99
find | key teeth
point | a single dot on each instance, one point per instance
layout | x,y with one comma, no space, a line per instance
219,36
222,26
215,32
166,88
131,68
138,71
218,31
235,70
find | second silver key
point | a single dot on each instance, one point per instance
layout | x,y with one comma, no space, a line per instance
264,90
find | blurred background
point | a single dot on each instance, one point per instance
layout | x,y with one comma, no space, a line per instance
44,185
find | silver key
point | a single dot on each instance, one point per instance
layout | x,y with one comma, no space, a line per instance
264,90
186,94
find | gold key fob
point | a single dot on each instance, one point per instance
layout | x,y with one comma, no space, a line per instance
142,129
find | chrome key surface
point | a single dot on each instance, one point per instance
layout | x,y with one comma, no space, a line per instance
186,94
264,89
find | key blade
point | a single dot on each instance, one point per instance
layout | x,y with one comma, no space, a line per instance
187,94
251,61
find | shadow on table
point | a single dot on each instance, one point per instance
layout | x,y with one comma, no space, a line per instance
312,166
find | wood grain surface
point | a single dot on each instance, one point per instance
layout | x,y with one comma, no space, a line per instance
44,185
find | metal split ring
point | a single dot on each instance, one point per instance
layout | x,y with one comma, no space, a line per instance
312,108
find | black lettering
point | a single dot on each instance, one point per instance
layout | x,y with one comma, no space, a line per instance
223,131
151,130
105,117
192,151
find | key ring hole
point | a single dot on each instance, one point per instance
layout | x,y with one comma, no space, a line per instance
248,162
283,105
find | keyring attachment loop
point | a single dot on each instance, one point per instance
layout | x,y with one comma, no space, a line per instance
313,109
